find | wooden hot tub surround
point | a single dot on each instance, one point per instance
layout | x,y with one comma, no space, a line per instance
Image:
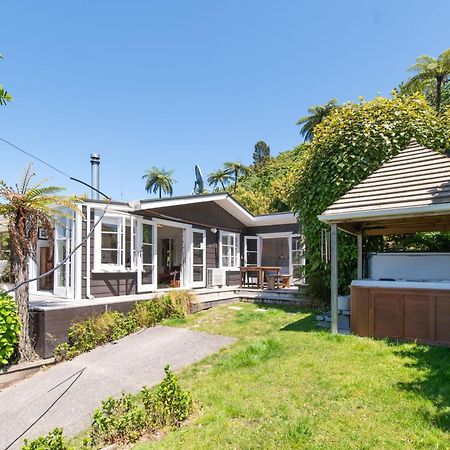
413,314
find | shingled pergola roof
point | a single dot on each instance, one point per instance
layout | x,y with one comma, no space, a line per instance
409,193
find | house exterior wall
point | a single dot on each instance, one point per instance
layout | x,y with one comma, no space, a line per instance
201,216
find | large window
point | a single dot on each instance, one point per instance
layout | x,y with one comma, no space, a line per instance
229,250
114,243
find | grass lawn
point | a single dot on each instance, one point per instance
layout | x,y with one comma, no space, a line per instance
286,384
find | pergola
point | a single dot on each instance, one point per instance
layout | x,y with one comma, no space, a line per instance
408,194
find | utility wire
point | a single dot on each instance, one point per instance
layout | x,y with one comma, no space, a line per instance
78,375
88,235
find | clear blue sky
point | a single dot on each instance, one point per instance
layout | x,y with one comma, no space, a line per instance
174,83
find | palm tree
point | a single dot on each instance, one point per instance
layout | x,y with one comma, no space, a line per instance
159,180
4,96
235,170
316,115
27,207
220,176
434,70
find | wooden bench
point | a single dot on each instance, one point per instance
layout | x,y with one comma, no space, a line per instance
274,280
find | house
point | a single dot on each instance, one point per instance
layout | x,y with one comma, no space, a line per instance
147,245
404,296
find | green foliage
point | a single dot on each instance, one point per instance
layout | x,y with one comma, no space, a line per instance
125,419
4,96
9,328
52,441
117,421
113,325
170,404
420,242
431,78
316,115
268,188
220,179
159,181
261,153
350,144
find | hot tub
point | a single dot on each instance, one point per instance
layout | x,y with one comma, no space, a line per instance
416,310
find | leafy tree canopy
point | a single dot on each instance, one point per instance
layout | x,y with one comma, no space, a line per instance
261,154
351,143
267,188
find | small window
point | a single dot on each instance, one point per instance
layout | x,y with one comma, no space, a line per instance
229,250
110,252
114,243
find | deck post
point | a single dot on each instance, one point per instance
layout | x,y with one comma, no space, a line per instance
334,279
360,255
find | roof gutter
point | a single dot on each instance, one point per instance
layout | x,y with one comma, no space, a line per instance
386,213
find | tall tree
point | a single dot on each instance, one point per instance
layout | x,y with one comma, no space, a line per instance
4,96
315,116
236,170
159,180
220,176
261,153
27,207
434,72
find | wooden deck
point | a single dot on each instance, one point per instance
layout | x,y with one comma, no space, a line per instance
52,316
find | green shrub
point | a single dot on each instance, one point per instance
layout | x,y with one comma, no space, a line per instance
170,404
118,421
113,325
52,441
125,419
9,328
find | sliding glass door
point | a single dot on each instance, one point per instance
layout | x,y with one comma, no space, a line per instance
146,256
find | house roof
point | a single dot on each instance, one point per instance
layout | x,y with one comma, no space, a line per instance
414,183
223,199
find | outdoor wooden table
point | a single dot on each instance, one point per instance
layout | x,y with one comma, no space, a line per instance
260,271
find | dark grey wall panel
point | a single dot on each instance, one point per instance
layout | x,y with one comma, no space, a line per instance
294,227
202,214
113,284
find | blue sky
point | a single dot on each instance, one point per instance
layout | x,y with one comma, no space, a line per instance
175,83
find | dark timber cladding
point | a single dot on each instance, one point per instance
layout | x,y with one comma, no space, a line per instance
208,214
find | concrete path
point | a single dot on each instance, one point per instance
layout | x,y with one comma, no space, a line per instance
66,394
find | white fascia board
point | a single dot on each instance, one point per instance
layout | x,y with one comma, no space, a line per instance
275,219
141,205
388,213
111,206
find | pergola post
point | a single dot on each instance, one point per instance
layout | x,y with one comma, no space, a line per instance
359,239
334,279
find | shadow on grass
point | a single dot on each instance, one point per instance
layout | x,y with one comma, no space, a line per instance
307,323
433,382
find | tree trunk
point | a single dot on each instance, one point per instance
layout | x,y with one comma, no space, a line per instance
160,192
438,94
223,186
26,347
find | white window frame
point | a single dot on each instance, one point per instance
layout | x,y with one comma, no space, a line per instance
203,247
121,220
258,250
237,242
301,251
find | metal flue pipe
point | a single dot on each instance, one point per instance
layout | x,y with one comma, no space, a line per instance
95,175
